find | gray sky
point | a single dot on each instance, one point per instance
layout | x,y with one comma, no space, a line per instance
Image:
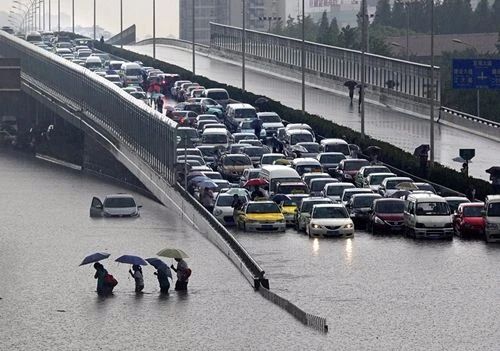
108,14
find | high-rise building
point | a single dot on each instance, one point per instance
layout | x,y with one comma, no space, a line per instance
260,15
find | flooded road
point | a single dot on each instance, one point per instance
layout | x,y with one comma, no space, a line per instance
49,303
388,293
402,130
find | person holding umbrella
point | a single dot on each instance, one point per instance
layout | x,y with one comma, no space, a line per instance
138,277
104,285
351,85
163,273
183,273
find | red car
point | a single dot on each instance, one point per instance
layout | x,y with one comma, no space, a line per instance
386,216
468,221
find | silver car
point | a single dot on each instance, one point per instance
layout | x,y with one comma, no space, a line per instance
116,205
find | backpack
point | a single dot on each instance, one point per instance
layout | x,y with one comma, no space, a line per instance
110,281
188,273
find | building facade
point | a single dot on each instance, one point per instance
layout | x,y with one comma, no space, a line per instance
260,15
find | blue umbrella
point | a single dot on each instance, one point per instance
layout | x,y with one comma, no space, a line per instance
279,198
207,184
131,259
156,262
199,179
96,257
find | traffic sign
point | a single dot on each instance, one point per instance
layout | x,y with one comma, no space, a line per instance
467,154
476,74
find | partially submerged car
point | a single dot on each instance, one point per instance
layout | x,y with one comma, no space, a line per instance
116,205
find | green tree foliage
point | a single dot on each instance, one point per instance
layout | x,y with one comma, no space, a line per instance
483,17
333,32
349,37
383,13
322,36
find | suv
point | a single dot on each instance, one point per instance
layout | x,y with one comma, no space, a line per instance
232,166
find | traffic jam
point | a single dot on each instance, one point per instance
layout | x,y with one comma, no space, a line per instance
255,172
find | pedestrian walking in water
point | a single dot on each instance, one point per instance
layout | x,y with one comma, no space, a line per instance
183,274
163,273
136,273
207,199
159,104
361,96
351,85
105,281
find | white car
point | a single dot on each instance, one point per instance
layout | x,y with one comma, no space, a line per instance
116,205
223,210
330,220
334,191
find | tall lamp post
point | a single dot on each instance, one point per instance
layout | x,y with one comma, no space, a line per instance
303,58
458,41
50,15
193,28
431,88
154,28
73,15
243,45
59,15
364,34
95,20
121,24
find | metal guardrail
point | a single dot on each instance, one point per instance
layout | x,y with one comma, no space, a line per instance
148,133
412,79
175,42
471,118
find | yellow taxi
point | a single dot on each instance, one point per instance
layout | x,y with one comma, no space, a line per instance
288,208
262,216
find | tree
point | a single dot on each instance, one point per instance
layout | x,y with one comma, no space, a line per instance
398,18
322,36
383,13
333,32
495,9
348,38
482,18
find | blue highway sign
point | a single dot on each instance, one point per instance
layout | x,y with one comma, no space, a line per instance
476,74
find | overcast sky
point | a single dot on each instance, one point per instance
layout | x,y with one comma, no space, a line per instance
108,14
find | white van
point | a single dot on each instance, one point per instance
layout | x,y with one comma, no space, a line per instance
93,63
236,113
277,173
131,73
335,145
428,216
492,218
216,137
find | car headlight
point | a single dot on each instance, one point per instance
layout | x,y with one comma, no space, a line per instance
348,226
217,212
378,220
491,226
316,226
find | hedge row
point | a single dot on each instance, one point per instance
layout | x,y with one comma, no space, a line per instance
390,154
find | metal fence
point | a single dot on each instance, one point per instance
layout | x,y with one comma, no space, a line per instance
152,136
410,78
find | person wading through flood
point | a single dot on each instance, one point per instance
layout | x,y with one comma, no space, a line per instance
105,281
138,277
183,274
163,273
237,204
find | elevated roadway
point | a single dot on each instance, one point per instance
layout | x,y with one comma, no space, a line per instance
400,129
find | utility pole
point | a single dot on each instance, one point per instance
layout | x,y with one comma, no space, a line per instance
121,24
407,31
73,15
50,16
303,58
431,88
59,15
364,33
243,46
193,27
154,29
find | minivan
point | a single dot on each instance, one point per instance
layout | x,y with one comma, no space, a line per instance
216,137
93,63
277,173
236,113
131,73
492,218
428,216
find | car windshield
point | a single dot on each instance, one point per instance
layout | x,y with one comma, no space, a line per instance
245,113
214,139
237,160
377,179
246,125
253,174
363,201
187,133
330,212
308,205
254,152
348,194
264,207
218,95
227,200
337,190
268,160
133,72
113,78
427,187
301,138
292,189
119,202
319,184
393,183
472,211
390,207
311,147
343,148
209,102
494,210
194,107
115,66
331,158
355,165
270,119
207,152
433,209
308,169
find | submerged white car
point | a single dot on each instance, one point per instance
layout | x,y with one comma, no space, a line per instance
116,205
223,210
330,220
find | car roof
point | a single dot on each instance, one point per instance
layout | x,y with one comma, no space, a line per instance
329,205
298,131
215,131
339,184
118,196
452,198
240,105
333,141
424,196
398,178
355,196
267,114
273,154
304,160
316,198
472,204
262,202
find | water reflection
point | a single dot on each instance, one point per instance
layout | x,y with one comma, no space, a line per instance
315,246
348,251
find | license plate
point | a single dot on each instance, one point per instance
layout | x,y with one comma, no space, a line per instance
396,228
267,227
332,232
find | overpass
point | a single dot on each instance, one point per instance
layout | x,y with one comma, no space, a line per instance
399,116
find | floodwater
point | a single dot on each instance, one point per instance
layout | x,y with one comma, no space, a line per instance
402,130
388,292
47,302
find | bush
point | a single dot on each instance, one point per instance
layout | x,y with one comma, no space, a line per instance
390,154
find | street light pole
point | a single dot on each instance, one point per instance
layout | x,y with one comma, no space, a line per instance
154,28
243,46
50,15
58,15
193,28
364,33
44,13
95,20
303,58
73,15
431,88
407,31
121,24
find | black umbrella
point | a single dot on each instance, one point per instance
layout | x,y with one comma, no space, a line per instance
350,84
422,149
373,150
493,170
